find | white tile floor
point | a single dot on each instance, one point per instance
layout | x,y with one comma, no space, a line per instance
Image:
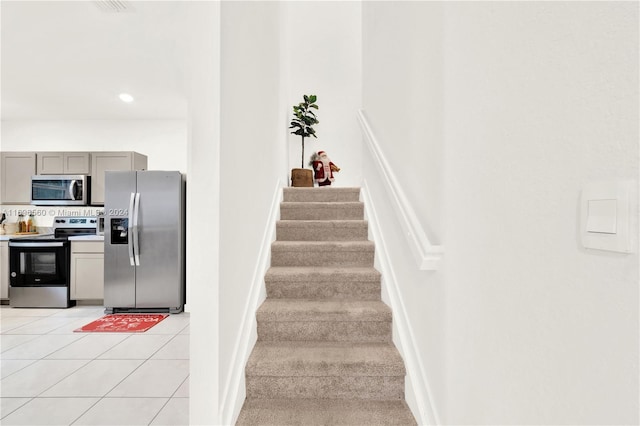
50,375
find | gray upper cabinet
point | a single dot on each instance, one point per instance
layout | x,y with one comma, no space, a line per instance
16,170
64,163
111,161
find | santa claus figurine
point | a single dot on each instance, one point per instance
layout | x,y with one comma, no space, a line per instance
323,168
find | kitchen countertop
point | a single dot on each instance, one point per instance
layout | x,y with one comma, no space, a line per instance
87,238
77,238
11,236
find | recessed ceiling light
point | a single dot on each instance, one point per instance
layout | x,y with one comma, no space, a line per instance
125,97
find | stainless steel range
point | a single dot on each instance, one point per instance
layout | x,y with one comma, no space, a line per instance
39,266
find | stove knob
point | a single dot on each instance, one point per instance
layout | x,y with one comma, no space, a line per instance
13,275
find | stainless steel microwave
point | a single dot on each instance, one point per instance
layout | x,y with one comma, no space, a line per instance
60,190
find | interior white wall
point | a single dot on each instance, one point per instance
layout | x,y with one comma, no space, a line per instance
541,98
253,165
164,142
402,99
203,209
323,56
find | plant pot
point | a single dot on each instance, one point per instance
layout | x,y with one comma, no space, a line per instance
302,178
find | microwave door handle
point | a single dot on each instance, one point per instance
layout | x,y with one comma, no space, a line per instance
136,232
130,229
72,189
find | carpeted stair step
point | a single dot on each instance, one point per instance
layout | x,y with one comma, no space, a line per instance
324,354
315,412
322,211
322,253
301,282
321,230
321,194
324,320
326,370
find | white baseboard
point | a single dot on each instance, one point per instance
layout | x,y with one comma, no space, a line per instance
418,390
234,391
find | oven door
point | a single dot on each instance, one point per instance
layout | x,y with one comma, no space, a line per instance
38,264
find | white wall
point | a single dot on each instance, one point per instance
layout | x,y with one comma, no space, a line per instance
164,142
253,166
539,99
323,56
203,209
402,98
403,90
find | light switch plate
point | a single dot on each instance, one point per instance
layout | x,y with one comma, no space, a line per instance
602,216
605,216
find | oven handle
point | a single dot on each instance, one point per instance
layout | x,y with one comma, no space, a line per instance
44,245
130,229
136,218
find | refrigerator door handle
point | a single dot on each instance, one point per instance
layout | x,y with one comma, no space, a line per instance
130,229
136,216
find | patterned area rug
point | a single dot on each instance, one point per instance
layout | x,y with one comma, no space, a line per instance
123,323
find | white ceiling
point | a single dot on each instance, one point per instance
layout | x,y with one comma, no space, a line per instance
69,60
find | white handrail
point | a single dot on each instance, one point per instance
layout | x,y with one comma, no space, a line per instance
427,255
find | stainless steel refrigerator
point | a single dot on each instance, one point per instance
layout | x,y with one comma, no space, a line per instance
144,241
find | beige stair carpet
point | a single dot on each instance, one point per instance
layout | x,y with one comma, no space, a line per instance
324,354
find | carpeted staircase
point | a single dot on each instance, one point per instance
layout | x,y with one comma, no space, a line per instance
324,354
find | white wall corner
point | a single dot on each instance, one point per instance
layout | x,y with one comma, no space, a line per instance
428,256
234,392
418,391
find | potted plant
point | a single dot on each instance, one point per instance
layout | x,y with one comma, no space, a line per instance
303,122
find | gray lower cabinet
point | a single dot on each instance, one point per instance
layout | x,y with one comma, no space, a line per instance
4,269
87,270
16,169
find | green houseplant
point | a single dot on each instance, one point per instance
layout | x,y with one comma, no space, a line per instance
303,121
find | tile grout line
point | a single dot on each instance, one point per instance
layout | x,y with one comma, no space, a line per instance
68,375
35,336
9,375
105,396
85,411
35,319
85,362
43,358
17,408
169,399
35,360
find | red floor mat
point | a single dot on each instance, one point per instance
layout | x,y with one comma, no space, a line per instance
123,323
